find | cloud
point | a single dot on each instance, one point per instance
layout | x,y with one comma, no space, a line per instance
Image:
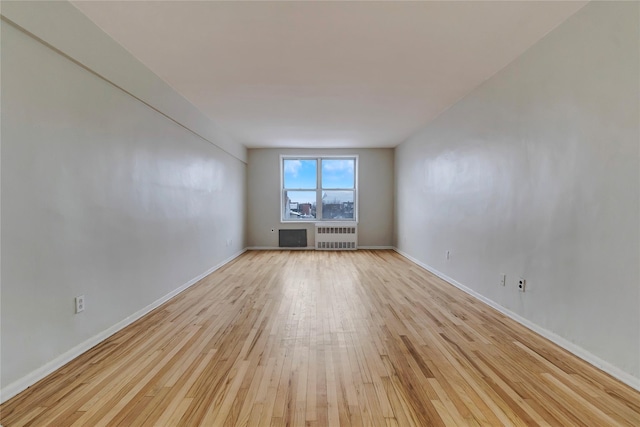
335,165
292,167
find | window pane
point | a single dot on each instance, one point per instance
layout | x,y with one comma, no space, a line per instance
337,205
299,205
299,173
338,173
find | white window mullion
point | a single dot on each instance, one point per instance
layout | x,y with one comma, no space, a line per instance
319,190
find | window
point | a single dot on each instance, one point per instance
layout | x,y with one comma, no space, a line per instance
319,188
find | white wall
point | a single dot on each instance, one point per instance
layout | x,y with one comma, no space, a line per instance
103,196
375,194
536,173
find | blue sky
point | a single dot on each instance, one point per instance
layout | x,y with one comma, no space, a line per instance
301,173
336,173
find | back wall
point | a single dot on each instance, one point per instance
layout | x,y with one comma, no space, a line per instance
375,194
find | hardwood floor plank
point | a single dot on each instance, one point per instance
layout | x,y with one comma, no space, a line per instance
363,338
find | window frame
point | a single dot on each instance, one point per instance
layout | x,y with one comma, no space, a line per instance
319,190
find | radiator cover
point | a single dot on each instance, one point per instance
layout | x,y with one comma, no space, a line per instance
336,236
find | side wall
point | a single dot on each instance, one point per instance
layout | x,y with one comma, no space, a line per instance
102,196
375,194
536,174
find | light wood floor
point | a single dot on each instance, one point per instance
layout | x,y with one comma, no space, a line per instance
324,339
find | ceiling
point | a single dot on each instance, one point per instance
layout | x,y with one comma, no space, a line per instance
325,74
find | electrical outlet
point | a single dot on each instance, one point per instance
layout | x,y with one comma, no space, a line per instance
448,255
79,304
522,284
503,280
229,242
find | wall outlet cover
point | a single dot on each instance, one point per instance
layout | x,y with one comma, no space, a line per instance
79,303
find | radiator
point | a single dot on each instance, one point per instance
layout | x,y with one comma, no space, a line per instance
336,236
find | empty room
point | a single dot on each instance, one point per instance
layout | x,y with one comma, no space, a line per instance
320,213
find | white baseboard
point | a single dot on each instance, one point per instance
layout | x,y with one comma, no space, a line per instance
28,380
311,248
578,351
278,248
